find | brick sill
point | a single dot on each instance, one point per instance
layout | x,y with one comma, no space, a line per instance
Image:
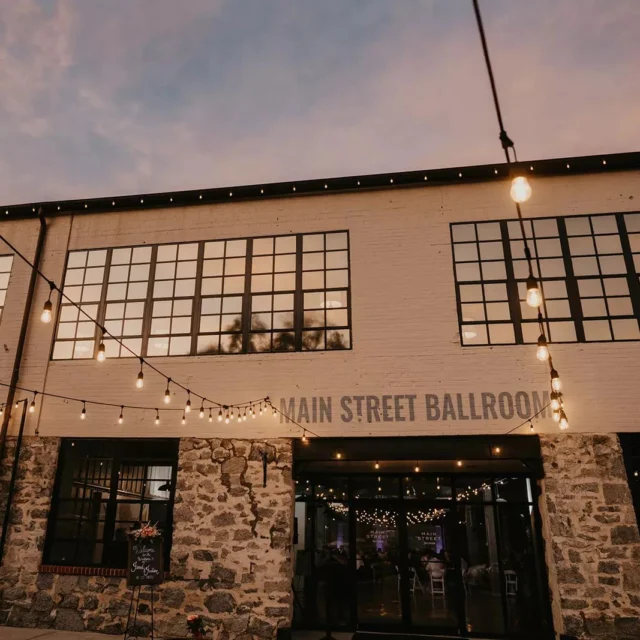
106,572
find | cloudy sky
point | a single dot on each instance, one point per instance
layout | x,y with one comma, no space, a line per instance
108,97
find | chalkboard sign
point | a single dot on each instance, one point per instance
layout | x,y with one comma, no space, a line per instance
146,563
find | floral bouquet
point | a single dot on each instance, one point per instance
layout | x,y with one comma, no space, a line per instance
195,625
146,531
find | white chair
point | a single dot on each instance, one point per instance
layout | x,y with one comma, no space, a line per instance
415,581
511,582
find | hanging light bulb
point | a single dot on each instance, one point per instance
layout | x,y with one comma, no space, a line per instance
534,295
231,413
564,423
275,415
556,383
376,465
32,406
531,427
210,416
226,420
304,437
83,413
140,380
46,311
220,415
157,417
187,407
184,418
555,401
121,416
261,408
239,417
543,350
253,413
102,356
17,404
339,456
416,469
167,393
556,416
1,409
520,189
244,417
201,413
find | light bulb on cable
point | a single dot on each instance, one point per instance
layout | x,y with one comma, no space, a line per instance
275,415
32,406
102,356
556,383
543,350
376,465
244,417
83,413
555,401
564,423
1,409
210,416
46,312
167,393
187,407
184,418
239,417
121,416
157,417
226,420
140,380
520,189
304,437
534,295
201,413
220,415
556,416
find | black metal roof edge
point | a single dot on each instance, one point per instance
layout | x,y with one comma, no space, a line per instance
452,175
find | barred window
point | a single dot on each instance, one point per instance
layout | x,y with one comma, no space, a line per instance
104,488
6,263
275,293
588,271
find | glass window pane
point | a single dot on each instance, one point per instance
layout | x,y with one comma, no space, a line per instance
236,248
626,329
604,224
595,330
474,334
463,232
501,334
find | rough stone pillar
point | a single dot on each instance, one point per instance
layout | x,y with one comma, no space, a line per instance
28,525
593,545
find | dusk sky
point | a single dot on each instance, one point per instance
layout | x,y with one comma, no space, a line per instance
110,97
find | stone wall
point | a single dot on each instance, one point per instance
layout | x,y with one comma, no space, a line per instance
591,530
231,555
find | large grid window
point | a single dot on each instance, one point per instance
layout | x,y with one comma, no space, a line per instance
84,285
105,488
275,293
127,289
587,267
5,272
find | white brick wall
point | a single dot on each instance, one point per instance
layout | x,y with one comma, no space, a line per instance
404,316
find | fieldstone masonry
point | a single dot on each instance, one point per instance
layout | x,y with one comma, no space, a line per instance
231,555
594,552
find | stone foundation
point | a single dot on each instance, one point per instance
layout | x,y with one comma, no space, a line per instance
230,560
593,546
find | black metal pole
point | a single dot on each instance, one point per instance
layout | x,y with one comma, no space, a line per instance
15,374
12,483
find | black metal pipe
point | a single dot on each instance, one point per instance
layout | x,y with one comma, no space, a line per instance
15,374
12,483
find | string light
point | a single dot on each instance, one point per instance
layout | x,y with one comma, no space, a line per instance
543,350
244,417
226,420
231,413
157,417
261,408
339,455
167,393
304,437
556,383
534,295
275,415
83,413
201,412
564,423
47,309
417,468
187,407
239,416
210,416
184,418
220,415
555,401
459,463
32,406
140,380
520,189
376,465
101,356
121,416
1,409
253,413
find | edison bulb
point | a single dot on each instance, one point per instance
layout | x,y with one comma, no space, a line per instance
556,383
542,352
140,380
555,401
534,295
102,356
556,416
564,423
46,312
520,189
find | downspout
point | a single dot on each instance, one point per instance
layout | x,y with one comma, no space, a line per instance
15,375
12,483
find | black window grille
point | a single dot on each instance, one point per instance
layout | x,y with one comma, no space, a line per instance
273,293
103,489
588,267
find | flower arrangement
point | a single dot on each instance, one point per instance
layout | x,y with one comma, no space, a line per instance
196,627
146,531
